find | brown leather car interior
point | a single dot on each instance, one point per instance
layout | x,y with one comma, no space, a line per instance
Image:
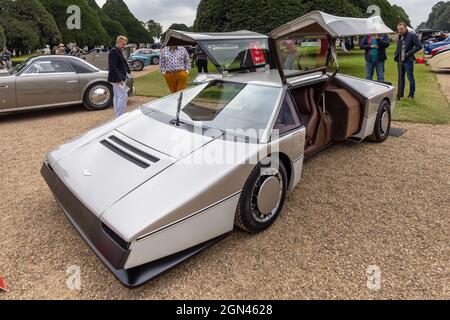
342,117
309,114
345,111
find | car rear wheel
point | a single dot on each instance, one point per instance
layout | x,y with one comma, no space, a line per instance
155,60
98,96
138,65
262,198
383,123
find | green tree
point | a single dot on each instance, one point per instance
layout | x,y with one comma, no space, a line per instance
402,15
118,10
154,28
114,28
92,32
37,20
20,36
2,38
176,26
439,18
266,15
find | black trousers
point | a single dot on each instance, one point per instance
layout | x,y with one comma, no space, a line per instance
202,66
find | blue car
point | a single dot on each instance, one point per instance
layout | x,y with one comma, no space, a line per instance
144,57
429,47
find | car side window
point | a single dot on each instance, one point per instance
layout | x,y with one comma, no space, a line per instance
288,118
49,67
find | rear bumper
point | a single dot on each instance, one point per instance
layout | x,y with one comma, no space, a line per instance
109,251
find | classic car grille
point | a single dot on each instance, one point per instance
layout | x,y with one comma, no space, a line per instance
129,152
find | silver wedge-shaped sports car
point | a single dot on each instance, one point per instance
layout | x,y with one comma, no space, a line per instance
158,185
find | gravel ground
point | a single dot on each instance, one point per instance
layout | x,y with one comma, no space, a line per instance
358,205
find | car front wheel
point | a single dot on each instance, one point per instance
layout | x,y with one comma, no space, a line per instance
98,96
138,65
383,123
262,198
155,60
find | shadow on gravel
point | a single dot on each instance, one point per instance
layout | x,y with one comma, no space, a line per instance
41,113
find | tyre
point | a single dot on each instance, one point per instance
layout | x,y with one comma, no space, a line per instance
383,123
138,65
155,60
262,198
98,96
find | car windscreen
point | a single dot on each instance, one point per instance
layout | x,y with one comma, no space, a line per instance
244,109
22,66
242,54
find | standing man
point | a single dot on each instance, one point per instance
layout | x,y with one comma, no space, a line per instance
408,44
290,47
61,50
7,54
175,65
375,46
201,59
118,74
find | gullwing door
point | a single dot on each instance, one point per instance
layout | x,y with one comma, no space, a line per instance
308,44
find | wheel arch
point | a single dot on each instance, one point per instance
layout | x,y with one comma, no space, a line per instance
286,161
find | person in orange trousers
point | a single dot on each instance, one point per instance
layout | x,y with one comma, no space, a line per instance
175,65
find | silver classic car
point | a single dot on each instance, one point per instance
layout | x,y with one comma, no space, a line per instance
54,81
160,184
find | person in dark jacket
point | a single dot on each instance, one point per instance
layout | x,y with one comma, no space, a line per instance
118,74
201,59
408,44
375,46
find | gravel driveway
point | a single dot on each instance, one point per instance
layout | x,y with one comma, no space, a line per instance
358,205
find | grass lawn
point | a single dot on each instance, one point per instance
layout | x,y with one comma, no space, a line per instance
430,105
17,60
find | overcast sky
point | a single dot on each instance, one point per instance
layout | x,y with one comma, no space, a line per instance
167,12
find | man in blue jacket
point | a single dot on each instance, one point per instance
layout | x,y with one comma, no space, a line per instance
375,46
408,44
118,74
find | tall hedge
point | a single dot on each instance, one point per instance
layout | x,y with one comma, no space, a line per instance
92,32
37,26
266,15
2,38
118,10
114,28
439,18
20,35
176,26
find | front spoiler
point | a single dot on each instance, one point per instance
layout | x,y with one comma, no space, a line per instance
110,252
